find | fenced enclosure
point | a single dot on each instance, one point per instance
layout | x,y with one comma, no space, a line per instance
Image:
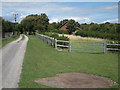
79,46
62,44
88,46
49,40
53,42
113,47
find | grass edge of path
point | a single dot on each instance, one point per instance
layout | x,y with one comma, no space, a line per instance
8,40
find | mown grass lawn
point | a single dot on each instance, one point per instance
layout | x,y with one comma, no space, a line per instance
42,61
8,40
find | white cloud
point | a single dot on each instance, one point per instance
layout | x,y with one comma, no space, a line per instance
82,20
58,11
22,16
53,20
10,16
111,21
111,7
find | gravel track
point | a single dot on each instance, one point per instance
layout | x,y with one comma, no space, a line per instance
12,59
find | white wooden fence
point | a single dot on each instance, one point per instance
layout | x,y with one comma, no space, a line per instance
113,49
49,40
55,44
52,41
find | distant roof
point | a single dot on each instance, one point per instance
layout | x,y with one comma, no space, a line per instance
63,24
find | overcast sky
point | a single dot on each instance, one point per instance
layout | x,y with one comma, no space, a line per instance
83,12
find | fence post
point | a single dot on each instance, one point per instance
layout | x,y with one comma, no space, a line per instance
43,38
69,46
55,43
105,47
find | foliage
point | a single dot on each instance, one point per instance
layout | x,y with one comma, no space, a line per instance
63,32
61,23
106,31
8,26
63,38
71,26
35,22
60,31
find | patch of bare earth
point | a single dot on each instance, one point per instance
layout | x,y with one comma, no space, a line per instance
76,80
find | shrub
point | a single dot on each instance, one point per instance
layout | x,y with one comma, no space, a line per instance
63,32
97,34
60,31
54,35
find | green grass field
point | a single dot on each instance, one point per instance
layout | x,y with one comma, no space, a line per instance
42,61
8,40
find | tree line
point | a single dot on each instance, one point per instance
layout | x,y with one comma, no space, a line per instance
8,26
105,31
31,23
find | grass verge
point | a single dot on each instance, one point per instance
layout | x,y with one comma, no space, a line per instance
8,40
42,61
23,37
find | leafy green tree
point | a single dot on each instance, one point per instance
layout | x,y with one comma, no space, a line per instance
28,23
71,26
61,23
8,26
33,22
94,27
77,24
54,25
44,21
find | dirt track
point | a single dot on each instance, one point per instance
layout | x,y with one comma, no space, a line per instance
76,80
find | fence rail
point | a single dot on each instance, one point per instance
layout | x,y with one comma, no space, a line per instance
78,46
49,40
114,44
113,49
52,41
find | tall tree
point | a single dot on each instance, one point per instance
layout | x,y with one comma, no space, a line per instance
33,22
71,26
44,21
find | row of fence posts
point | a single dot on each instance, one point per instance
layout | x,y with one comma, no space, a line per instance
49,40
53,42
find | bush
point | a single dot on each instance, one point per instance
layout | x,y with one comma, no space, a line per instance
60,31
97,34
54,35
55,30
63,32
